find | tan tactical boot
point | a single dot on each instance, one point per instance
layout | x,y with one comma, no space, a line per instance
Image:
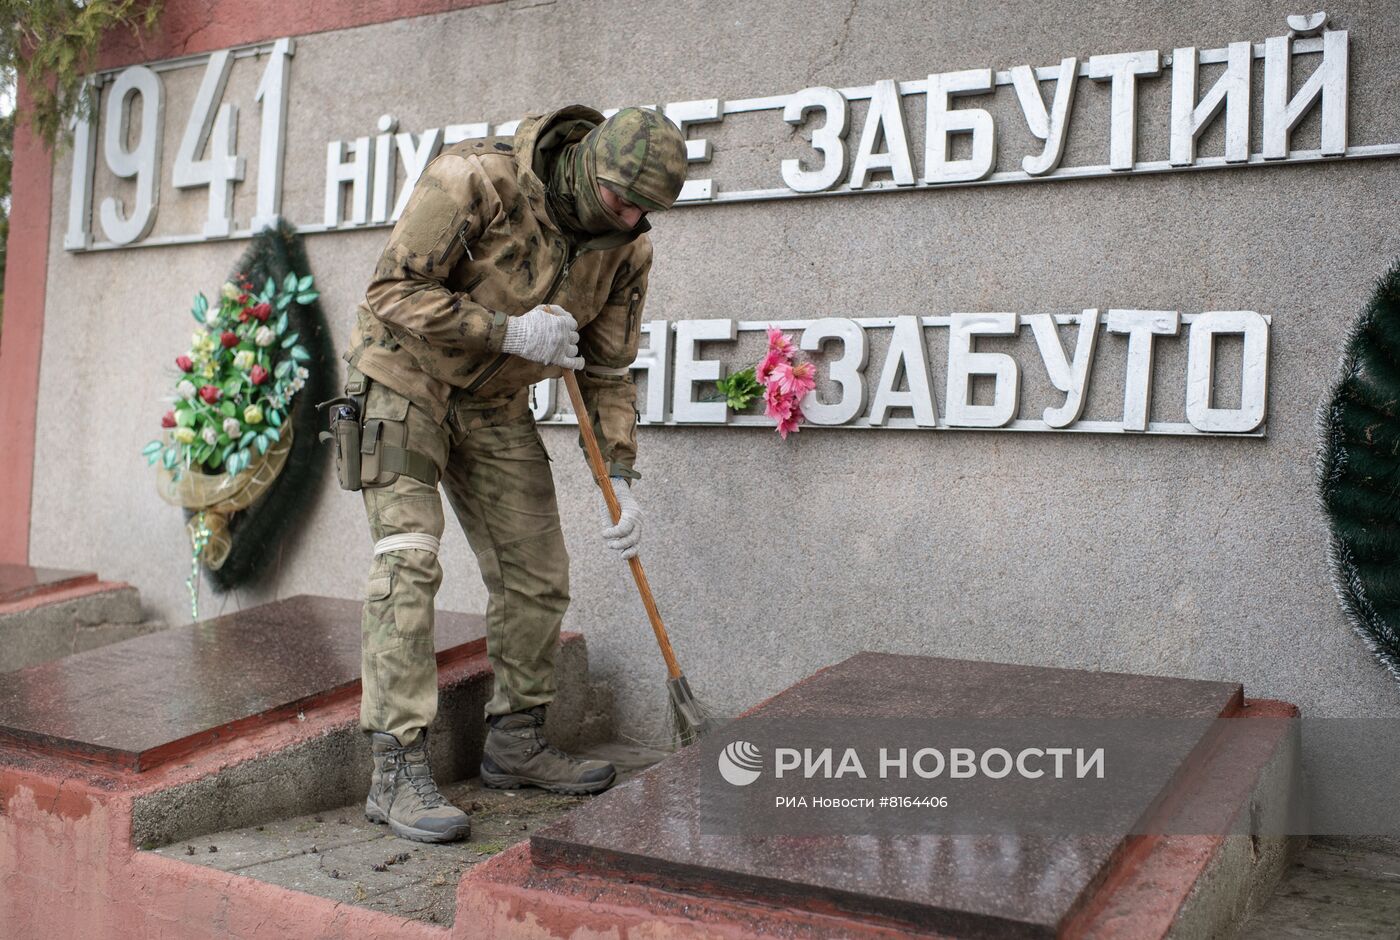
402,793
517,755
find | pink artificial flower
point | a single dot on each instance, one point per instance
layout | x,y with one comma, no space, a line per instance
779,343
796,380
789,424
765,368
776,404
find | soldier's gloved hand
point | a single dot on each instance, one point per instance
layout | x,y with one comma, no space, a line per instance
547,334
626,535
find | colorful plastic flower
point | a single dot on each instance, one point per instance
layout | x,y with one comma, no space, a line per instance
769,363
789,424
778,342
796,380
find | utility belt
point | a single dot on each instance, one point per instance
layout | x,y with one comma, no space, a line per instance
370,452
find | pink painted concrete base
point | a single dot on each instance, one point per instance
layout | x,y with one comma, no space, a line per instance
1143,894
68,868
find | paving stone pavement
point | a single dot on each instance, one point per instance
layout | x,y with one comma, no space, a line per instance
1335,890
337,854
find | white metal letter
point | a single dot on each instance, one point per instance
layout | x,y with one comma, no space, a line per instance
683,114
1069,376
963,364
383,169
655,360
1141,326
1123,69
908,355
141,161
355,171
216,125
1328,82
542,404
848,371
689,370
1254,371
414,158
884,120
272,142
79,234
944,122
1050,126
829,140
1230,91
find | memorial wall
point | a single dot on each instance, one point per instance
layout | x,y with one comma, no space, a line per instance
1139,239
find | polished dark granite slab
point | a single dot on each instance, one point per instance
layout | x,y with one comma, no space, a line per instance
650,829
18,582
146,700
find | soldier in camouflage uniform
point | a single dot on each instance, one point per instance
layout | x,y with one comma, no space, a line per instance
514,259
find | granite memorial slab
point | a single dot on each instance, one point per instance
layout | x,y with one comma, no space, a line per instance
143,701
996,885
19,582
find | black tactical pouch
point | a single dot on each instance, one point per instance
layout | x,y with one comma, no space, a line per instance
346,417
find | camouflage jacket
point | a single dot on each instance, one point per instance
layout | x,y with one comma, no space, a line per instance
475,245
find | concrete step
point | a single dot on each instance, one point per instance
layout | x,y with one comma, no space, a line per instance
227,724
1337,889
338,855
48,613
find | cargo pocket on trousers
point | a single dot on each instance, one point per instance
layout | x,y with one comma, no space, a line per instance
379,587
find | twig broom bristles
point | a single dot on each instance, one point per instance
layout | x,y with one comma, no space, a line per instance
688,718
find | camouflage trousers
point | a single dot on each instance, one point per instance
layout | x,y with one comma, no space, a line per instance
496,475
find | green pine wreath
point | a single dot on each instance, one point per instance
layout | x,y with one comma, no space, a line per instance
1358,474
256,532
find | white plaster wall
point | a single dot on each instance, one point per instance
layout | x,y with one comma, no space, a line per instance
1183,556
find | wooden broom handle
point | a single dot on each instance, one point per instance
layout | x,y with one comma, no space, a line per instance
600,476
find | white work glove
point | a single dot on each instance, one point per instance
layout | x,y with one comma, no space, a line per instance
623,537
547,334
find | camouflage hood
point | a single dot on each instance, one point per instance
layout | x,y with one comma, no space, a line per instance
637,153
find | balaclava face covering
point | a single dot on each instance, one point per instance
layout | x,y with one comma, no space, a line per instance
637,153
